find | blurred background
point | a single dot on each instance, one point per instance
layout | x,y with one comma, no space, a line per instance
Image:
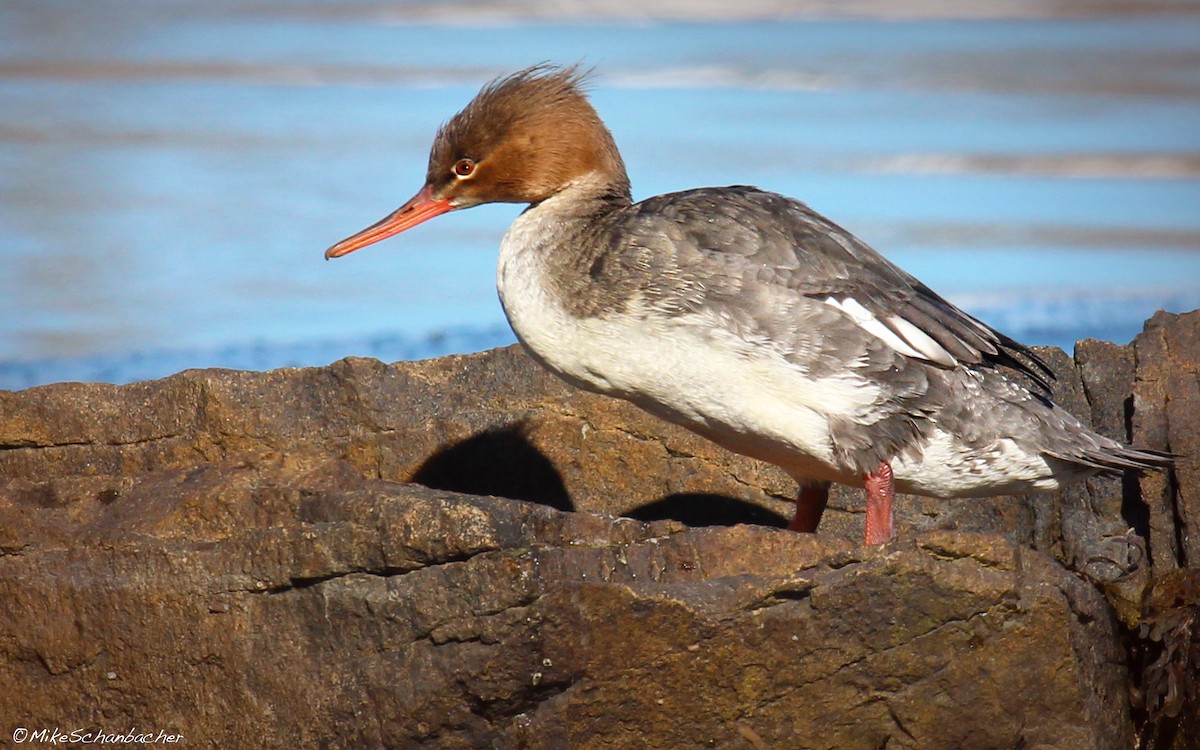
172,171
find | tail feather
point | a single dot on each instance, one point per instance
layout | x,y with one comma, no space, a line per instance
1116,458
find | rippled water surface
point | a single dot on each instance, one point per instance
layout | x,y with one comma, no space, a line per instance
170,173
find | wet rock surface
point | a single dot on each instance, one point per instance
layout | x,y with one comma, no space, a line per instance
341,557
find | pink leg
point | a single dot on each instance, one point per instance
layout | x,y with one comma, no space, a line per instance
810,504
881,490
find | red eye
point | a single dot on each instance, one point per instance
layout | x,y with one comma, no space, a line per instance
464,167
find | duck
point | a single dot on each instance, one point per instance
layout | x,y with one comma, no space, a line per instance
747,317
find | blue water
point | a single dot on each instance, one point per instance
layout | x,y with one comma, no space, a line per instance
170,174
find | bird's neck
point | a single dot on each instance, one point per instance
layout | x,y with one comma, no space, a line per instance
591,194
553,248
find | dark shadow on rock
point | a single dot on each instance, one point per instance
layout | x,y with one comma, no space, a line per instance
497,462
704,509
1134,509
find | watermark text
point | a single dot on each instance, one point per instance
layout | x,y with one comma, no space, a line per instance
133,736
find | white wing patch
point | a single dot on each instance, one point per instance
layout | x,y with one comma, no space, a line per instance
898,333
921,341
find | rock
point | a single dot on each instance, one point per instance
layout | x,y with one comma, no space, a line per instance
287,601
1167,657
319,557
429,421
1166,405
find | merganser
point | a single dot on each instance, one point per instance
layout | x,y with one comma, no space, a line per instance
747,317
